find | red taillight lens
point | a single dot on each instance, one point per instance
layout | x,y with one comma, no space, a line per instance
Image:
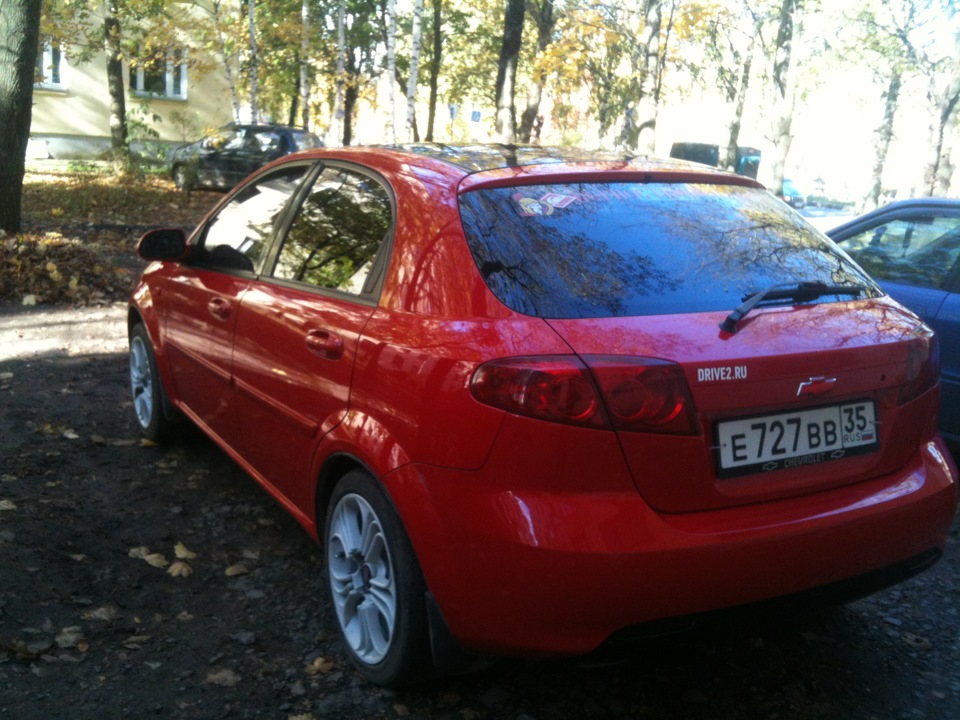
645,395
923,365
638,394
555,388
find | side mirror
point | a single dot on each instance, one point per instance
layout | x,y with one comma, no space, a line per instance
163,244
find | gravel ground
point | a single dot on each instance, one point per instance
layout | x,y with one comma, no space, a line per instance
144,581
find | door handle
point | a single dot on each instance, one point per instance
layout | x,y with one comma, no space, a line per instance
326,344
219,308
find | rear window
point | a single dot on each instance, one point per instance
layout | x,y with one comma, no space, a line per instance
624,249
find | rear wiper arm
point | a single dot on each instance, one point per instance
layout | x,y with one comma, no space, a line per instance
798,292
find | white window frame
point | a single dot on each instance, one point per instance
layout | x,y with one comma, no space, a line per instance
49,68
176,69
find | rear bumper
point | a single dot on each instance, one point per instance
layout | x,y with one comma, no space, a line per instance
538,572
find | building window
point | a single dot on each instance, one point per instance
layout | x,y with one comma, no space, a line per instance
49,62
164,76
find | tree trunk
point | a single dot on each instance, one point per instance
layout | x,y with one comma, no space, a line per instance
19,38
350,95
252,25
545,24
730,156
506,127
785,70
435,67
939,171
118,103
391,70
640,115
409,133
339,126
305,63
884,136
227,67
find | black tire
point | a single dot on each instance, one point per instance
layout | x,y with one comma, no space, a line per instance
150,402
378,595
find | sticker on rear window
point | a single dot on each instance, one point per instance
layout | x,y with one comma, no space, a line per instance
545,205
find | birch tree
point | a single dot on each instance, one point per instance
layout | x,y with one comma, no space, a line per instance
391,70
414,68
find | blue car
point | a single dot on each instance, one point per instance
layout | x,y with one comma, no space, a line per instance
912,248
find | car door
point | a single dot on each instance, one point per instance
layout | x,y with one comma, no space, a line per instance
201,298
214,158
915,255
298,329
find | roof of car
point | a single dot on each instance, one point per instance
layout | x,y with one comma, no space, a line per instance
893,208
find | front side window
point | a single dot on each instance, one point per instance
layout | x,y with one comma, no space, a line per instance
918,250
48,73
160,74
627,249
336,236
237,237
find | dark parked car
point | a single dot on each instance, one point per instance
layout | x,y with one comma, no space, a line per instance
792,196
225,158
527,398
912,247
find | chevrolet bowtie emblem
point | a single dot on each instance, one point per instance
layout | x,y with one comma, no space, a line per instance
816,386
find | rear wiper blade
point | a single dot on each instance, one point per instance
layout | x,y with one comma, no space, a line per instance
798,292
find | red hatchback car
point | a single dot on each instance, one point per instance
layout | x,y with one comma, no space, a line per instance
527,398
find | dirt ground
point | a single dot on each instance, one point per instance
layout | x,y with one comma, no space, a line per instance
144,581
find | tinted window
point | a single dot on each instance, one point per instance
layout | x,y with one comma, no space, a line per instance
918,250
238,235
335,237
597,250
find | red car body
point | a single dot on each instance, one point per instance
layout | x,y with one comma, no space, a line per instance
537,536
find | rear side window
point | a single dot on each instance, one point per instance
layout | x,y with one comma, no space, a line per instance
337,234
624,249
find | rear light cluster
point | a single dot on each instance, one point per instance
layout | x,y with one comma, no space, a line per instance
599,391
923,365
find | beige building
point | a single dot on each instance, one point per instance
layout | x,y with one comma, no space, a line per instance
71,104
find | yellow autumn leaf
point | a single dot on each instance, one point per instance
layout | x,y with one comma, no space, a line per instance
156,560
181,551
180,569
236,569
139,553
320,666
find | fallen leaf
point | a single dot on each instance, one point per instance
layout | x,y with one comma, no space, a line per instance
237,569
8,505
180,569
320,666
147,443
70,637
70,435
223,678
181,551
921,643
184,616
105,613
79,557
156,560
251,554
401,710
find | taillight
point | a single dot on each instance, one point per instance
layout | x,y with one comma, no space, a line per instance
555,388
923,365
622,393
644,394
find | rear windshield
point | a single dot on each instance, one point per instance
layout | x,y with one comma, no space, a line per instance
624,249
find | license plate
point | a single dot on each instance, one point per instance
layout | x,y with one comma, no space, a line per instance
789,440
